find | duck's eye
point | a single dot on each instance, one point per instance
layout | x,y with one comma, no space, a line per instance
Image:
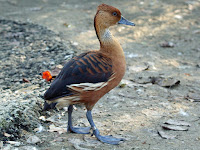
114,14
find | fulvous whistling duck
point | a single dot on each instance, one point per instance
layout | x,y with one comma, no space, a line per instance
89,76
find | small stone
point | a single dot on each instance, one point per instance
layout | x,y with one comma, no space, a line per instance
33,140
75,43
178,17
167,44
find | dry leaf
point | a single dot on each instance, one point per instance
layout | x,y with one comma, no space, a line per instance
139,68
25,80
194,96
14,143
177,123
165,136
77,143
6,134
59,139
60,130
56,70
165,82
174,127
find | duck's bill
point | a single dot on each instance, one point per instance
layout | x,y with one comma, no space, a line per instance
126,22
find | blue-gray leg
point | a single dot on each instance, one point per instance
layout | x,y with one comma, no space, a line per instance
79,130
104,139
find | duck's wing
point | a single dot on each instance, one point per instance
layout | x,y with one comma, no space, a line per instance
88,71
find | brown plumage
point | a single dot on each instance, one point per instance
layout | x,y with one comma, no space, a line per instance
89,76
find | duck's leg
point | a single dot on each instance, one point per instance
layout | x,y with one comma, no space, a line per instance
104,139
79,130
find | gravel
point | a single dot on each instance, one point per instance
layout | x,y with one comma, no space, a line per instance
26,51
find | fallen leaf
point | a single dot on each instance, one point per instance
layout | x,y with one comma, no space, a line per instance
91,141
14,143
136,83
25,80
29,88
196,32
166,136
6,134
151,113
60,130
54,118
165,82
177,123
59,139
77,143
195,97
139,68
174,127
56,70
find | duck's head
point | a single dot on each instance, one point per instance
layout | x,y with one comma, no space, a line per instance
107,16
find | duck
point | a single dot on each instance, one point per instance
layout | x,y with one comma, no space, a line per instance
86,78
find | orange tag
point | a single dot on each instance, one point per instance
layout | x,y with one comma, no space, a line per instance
47,76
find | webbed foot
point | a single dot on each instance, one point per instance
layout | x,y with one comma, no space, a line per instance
79,130
109,139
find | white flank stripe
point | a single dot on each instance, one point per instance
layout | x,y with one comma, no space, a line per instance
88,86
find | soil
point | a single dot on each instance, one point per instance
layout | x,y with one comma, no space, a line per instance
156,106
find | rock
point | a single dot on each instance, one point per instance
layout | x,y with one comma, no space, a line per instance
33,140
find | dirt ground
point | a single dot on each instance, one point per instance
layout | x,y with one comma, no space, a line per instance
156,106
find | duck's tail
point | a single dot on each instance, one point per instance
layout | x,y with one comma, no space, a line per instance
47,106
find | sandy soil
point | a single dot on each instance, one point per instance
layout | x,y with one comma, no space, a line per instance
162,80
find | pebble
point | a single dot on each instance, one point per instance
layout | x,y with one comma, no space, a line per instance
33,140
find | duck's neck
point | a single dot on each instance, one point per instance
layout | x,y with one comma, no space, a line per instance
108,43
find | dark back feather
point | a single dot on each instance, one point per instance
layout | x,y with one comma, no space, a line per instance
90,67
